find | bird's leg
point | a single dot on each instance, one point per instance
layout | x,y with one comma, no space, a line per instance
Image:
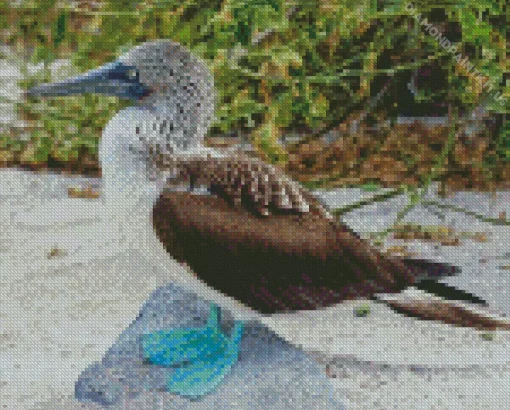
200,357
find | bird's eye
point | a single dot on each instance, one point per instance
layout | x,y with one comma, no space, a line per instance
132,74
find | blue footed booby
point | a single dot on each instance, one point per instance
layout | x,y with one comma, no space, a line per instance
255,241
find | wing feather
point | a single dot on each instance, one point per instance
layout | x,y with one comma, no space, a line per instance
245,181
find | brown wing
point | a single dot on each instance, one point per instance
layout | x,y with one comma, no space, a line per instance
245,180
286,261
296,256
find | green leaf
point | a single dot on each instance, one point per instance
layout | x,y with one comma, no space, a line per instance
370,187
475,30
59,30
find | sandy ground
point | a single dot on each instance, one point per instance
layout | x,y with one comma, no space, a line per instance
69,284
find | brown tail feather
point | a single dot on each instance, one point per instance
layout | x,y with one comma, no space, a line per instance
422,268
449,312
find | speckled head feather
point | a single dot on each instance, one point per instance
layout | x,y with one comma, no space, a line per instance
181,85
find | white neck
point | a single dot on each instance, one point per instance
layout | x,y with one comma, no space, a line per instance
127,189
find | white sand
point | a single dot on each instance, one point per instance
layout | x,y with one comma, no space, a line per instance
59,314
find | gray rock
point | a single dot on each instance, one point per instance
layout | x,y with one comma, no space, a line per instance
270,374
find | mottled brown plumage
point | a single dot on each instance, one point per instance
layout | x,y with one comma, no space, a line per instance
244,180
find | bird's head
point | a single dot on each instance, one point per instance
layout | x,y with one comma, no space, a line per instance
156,74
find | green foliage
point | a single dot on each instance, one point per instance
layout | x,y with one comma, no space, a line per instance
279,65
362,311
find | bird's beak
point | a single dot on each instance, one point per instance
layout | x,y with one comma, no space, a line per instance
115,79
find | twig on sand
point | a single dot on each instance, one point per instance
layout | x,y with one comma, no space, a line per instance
454,208
368,201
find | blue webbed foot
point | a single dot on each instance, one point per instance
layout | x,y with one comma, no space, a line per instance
201,357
